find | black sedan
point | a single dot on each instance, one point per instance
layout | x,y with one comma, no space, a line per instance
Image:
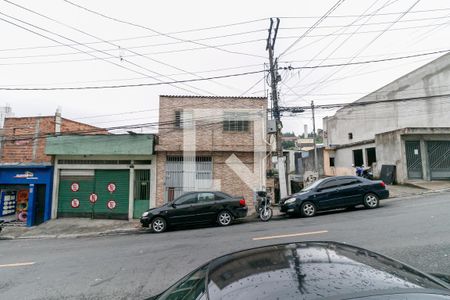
308,270
196,208
335,192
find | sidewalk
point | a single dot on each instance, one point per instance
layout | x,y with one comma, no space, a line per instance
82,227
71,228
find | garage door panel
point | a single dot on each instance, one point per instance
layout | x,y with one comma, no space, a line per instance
66,195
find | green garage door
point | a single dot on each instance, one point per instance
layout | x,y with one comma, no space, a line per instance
111,188
439,159
120,179
75,190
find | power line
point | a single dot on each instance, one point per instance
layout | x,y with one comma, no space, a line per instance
112,57
370,43
156,31
136,78
333,8
93,36
381,14
227,75
367,61
56,41
132,85
344,41
359,103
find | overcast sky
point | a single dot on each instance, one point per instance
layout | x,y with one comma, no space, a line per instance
357,30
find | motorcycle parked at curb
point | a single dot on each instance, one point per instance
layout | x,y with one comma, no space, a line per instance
262,206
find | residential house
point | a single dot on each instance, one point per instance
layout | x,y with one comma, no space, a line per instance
404,125
211,143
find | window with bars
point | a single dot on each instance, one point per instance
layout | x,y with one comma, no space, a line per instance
183,119
236,122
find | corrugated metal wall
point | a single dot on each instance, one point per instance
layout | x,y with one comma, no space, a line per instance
95,184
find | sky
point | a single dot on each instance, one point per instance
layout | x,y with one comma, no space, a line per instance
165,41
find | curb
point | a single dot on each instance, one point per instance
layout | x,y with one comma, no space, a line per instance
74,235
422,193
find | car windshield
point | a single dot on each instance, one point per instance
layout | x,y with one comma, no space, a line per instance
140,140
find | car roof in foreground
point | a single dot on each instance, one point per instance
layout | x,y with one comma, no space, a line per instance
310,270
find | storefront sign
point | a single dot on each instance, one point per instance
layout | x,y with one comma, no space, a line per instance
93,198
26,175
75,203
75,187
111,204
111,187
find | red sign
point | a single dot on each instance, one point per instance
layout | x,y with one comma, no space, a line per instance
111,204
111,187
93,197
75,187
75,203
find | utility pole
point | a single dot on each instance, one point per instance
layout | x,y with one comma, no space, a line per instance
275,77
316,167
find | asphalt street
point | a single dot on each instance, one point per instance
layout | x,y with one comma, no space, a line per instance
414,230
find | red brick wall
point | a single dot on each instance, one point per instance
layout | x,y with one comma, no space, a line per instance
23,136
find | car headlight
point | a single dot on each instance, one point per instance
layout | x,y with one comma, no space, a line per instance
145,214
290,200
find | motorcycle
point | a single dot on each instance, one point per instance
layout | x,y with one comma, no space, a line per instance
364,172
262,206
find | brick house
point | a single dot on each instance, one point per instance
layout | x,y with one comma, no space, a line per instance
24,137
26,172
211,143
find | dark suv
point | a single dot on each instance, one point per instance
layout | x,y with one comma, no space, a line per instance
335,192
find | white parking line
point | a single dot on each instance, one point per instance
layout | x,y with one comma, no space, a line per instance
18,264
289,235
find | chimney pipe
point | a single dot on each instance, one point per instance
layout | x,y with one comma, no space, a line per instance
58,120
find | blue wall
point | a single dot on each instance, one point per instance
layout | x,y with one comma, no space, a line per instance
36,175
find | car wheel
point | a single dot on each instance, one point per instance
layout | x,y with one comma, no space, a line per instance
224,218
308,209
159,225
371,201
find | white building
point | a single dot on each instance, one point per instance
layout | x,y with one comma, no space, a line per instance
405,123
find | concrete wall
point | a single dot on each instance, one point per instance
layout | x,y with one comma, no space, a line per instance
343,160
366,121
390,148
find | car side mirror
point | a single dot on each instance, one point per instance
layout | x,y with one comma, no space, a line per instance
173,204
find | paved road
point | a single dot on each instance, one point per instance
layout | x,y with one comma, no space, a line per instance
414,230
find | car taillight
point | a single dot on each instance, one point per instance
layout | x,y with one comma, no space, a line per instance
383,184
242,202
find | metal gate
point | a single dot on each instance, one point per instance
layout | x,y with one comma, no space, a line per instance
439,159
194,173
413,159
